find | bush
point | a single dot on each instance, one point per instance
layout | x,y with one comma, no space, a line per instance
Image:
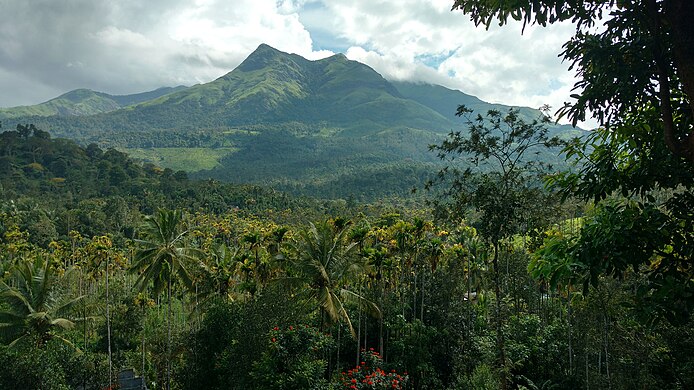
370,375
293,359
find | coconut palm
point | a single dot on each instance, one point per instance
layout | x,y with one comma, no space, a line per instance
325,263
34,307
161,258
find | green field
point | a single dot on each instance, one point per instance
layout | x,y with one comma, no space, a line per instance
186,159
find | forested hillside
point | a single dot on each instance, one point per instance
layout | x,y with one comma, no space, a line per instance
331,128
81,102
199,284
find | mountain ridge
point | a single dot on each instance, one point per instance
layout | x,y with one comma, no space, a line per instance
289,122
84,102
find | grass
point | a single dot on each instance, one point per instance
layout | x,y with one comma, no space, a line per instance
185,159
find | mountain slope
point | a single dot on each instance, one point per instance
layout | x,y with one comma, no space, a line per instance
282,120
272,87
83,102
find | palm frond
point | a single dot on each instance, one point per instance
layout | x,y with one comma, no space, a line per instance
370,307
63,323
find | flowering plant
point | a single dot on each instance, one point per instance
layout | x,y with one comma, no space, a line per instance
369,375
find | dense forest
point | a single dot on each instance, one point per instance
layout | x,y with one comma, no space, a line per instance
112,264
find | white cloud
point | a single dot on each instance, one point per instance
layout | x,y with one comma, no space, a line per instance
120,39
425,41
132,46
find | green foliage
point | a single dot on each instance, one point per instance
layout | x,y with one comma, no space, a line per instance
33,306
482,378
324,264
32,369
163,254
416,351
181,159
505,187
645,149
293,359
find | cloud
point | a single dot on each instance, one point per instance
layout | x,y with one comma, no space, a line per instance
130,46
425,41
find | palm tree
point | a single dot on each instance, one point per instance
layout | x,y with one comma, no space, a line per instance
162,256
326,264
99,254
33,305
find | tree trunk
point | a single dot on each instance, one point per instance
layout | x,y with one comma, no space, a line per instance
143,341
678,15
380,320
108,326
469,299
414,296
607,356
358,333
421,304
337,360
500,342
571,352
168,346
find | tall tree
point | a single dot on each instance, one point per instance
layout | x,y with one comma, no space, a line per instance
163,257
636,77
502,185
644,56
326,264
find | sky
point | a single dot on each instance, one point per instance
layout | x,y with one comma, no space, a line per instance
49,47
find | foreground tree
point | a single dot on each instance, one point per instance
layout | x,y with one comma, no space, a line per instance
34,306
326,264
636,77
503,186
643,57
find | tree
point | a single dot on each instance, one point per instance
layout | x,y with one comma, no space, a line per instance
35,308
325,263
504,188
636,77
644,56
162,256
100,255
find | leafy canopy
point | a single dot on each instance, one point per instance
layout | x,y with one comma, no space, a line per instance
635,66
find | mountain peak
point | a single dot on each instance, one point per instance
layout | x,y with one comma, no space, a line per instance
77,95
261,57
265,49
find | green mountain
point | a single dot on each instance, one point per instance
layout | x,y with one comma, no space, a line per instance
331,127
81,102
